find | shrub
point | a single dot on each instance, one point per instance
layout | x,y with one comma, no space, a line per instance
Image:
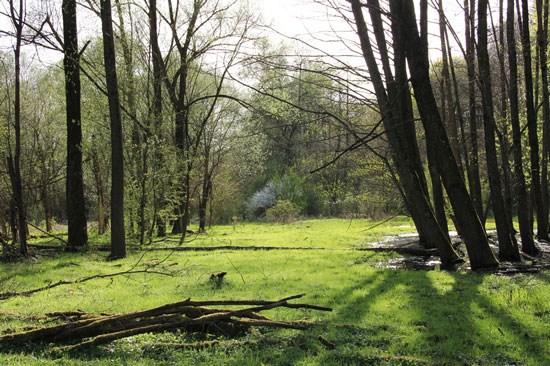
283,212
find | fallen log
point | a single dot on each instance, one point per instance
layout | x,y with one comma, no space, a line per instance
89,329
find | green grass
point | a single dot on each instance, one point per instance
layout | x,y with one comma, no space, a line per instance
325,233
445,318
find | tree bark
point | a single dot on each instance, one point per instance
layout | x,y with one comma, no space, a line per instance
76,208
96,169
466,217
118,242
14,162
542,45
415,196
157,109
474,180
529,246
520,188
506,238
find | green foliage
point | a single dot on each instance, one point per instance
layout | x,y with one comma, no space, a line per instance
283,212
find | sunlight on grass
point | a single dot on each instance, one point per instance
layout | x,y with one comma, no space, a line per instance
445,318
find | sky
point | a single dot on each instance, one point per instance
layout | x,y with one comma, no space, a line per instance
306,20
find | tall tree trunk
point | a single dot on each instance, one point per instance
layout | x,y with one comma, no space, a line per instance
520,188
474,180
506,238
118,241
76,209
503,136
529,246
157,108
17,18
466,217
542,45
415,197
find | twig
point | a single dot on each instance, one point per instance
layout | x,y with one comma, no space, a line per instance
49,234
10,294
380,223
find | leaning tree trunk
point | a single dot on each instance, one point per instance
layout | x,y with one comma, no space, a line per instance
118,242
76,209
413,187
466,217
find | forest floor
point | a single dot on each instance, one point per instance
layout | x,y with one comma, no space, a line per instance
383,314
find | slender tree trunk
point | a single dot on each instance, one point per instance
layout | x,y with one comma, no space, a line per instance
17,17
449,112
118,241
503,136
3,223
474,180
206,184
506,238
542,45
529,246
46,207
76,209
96,168
520,188
157,108
459,111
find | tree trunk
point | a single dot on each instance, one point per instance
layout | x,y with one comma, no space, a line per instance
14,169
76,208
448,113
157,109
542,45
520,188
474,180
118,242
506,238
529,246
466,217
503,136
415,196
96,168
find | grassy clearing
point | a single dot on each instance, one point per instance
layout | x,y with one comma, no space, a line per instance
445,318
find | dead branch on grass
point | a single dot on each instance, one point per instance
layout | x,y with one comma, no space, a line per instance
10,294
188,315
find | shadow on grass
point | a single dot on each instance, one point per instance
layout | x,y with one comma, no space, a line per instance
445,318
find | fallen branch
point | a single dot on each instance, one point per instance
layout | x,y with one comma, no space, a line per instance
400,250
236,247
49,234
10,294
508,270
90,329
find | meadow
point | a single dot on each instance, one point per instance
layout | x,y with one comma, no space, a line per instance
380,316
